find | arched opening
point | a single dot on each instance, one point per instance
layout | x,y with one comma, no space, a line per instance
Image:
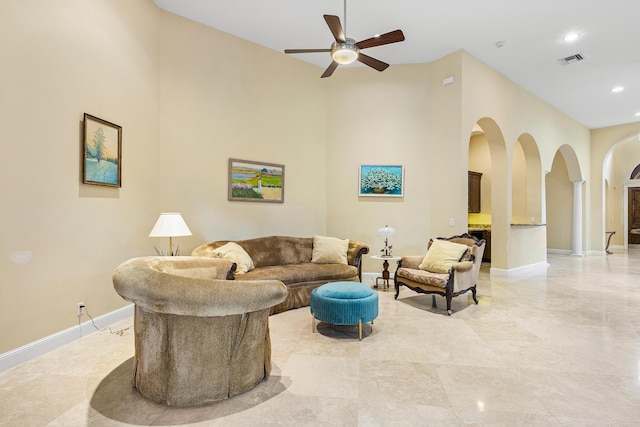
487,155
564,203
621,193
526,187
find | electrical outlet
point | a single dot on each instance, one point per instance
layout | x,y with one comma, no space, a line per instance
80,308
452,222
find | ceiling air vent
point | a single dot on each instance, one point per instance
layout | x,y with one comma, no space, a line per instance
571,59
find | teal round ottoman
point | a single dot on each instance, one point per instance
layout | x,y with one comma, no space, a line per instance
344,303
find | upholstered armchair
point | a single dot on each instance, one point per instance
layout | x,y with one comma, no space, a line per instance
199,338
450,268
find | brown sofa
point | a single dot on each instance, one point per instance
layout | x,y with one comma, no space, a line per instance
288,259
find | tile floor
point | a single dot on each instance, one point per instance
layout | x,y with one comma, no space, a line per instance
556,349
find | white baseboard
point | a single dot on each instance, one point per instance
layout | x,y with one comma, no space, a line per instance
37,348
525,270
559,251
370,278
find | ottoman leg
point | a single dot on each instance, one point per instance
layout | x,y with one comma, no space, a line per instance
313,324
360,329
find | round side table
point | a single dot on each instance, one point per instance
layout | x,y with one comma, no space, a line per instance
385,271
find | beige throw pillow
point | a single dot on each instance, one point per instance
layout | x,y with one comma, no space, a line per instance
234,252
442,255
329,250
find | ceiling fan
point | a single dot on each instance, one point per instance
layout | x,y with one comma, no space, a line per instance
345,50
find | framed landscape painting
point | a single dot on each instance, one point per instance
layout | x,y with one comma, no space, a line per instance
102,148
251,181
381,180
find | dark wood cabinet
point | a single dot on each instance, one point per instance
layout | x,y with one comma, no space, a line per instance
474,192
486,235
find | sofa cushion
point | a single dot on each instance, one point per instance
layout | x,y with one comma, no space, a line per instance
329,250
234,252
295,273
423,276
442,255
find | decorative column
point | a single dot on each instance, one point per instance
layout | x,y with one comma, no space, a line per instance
576,238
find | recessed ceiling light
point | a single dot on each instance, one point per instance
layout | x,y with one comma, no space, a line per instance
617,89
637,114
571,37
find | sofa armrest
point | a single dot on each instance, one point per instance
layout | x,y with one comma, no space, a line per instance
137,281
354,255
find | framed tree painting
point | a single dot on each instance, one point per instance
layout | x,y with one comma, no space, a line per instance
102,152
381,180
251,181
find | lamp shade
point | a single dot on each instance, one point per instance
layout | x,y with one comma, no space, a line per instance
386,231
170,225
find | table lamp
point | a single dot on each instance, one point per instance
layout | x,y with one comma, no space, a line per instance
386,232
170,225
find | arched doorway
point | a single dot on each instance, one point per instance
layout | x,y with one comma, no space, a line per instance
621,193
487,155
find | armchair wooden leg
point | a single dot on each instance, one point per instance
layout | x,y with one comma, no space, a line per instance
473,294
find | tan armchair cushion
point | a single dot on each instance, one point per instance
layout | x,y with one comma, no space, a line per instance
442,255
423,276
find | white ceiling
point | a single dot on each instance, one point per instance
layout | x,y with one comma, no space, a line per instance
532,32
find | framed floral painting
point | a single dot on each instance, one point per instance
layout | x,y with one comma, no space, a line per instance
381,180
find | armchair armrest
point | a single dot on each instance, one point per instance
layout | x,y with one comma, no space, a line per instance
412,261
463,266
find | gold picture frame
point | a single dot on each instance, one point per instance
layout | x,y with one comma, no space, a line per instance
251,181
102,152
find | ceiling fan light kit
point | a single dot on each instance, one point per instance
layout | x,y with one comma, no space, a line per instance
346,51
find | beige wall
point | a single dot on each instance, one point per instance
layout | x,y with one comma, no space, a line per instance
60,239
488,94
376,118
189,98
221,98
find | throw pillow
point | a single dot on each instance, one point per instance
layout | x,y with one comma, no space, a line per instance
442,255
234,252
329,250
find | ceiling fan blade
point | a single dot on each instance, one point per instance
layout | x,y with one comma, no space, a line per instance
336,27
306,50
372,62
330,69
387,38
